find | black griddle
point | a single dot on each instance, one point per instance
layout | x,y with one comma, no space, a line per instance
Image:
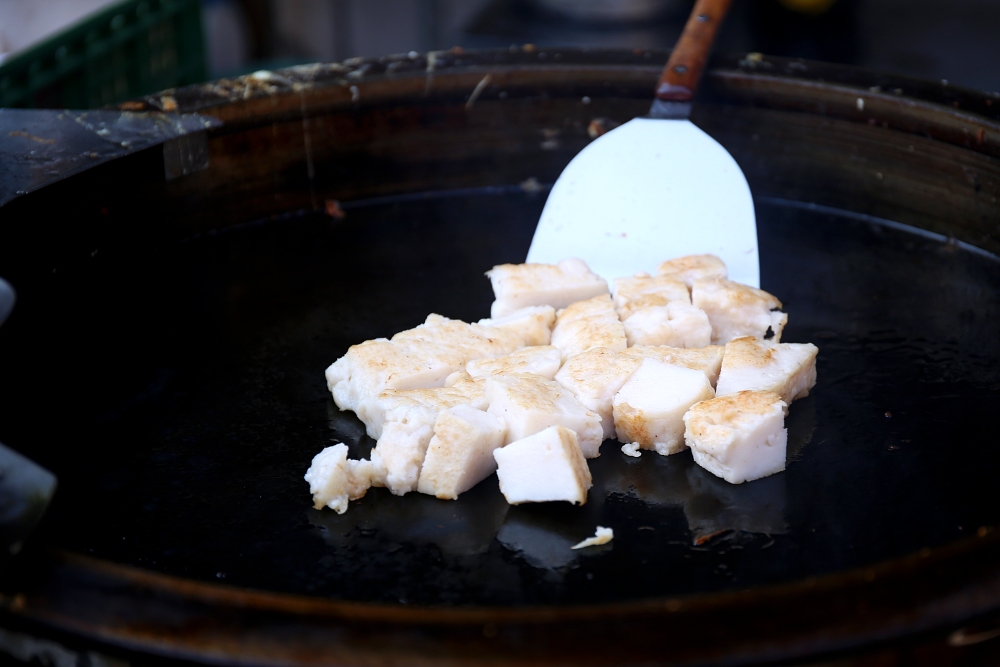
170,370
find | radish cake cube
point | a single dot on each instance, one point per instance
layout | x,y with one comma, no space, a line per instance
738,310
543,360
543,467
334,479
588,324
373,412
476,340
518,286
529,404
693,267
408,427
533,324
642,302
375,365
706,359
460,455
594,377
739,437
422,357
643,290
598,306
787,369
677,324
650,406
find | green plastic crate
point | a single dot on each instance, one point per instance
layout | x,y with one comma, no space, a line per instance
130,49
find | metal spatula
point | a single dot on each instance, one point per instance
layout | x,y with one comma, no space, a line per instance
657,187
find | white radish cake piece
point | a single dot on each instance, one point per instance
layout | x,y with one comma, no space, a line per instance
738,310
459,387
645,301
370,367
588,324
650,406
677,324
706,359
544,467
543,360
481,340
643,290
518,286
787,369
594,377
409,418
533,324
460,455
529,404
422,357
739,437
689,268
334,479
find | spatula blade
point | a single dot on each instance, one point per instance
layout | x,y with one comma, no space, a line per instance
645,192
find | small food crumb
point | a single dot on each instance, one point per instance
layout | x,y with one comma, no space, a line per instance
603,536
631,449
531,185
333,209
599,126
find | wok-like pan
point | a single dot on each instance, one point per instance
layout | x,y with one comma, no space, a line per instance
165,360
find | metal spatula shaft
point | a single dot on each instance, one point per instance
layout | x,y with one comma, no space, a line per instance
656,187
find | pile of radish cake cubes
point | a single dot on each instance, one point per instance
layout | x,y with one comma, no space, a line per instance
683,359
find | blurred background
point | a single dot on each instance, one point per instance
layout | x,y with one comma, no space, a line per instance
87,53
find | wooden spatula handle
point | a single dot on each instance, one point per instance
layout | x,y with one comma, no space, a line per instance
680,77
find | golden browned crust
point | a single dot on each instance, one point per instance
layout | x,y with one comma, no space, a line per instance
437,398
631,425
695,358
530,391
737,294
598,305
590,371
525,277
692,267
730,410
637,292
571,445
748,351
